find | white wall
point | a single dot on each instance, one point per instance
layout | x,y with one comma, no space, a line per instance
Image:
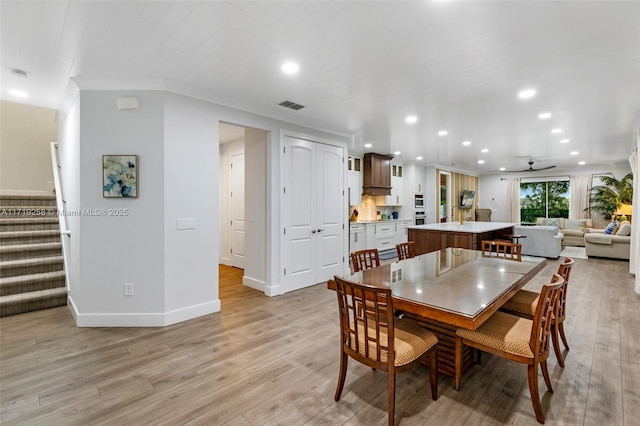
492,194
431,190
177,140
190,191
122,249
256,211
69,157
25,157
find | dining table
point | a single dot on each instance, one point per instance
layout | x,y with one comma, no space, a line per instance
449,289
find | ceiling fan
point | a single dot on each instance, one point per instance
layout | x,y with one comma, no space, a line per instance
530,169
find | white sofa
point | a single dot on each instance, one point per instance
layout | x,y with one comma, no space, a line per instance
573,230
543,241
614,246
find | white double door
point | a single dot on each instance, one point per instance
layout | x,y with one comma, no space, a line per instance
313,212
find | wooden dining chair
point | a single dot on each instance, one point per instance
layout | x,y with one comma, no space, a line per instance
365,259
406,250
508,250
524,302
488,248
517,339
374,337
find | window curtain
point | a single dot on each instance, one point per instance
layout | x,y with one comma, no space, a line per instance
513,200
634,161
579,186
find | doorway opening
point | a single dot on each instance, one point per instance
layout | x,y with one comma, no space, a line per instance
243,201
232,194
444,196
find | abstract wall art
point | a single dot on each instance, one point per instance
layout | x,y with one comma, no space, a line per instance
120,176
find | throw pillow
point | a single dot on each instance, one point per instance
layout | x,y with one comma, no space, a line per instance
624,230
552,222
611,228
540,221
575,224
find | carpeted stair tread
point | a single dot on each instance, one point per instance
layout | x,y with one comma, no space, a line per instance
25,237
26,200
25,224
31,262
24,251
11,268
32,273
30,247
11,234
31,282
32,301
28,220
28,212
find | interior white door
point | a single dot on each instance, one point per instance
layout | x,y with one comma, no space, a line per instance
236,185
330,215
313,212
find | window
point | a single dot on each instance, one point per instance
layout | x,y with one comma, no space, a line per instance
544,198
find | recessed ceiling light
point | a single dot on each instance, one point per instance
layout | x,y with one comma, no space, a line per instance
556,131
443,133
502,169
466,143
418,158
527,93
18,93
411,119
582,163
544,115
290,67
485,150
480,161
564,140
574,153
367,145
397,153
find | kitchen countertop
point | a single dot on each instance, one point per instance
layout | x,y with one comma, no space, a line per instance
381,221
470,227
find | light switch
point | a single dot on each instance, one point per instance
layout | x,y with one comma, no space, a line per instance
187,223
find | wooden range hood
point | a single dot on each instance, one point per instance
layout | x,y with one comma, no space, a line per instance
377,174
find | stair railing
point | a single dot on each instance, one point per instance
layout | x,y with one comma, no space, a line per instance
65,233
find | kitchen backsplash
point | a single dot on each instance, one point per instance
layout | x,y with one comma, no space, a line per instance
367,210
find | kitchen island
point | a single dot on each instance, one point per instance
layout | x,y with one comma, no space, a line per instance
436,236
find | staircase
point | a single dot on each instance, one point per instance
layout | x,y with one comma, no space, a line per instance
32,273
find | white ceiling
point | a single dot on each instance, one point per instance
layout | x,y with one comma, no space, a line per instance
365,66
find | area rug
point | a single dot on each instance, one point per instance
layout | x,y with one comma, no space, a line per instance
574,252
388,255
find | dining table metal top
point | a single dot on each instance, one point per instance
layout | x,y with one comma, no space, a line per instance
454,286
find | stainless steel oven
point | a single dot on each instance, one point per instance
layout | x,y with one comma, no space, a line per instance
419,217
418,201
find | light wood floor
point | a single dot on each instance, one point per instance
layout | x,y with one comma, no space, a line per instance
274,361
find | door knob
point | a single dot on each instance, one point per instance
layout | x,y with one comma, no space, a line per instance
313,231
320,229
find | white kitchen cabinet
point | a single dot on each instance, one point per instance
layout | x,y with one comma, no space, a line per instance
354,178
397,196
414,179
401,231
357,237
385,235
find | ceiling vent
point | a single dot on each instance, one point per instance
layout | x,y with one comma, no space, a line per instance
18,72
291,105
